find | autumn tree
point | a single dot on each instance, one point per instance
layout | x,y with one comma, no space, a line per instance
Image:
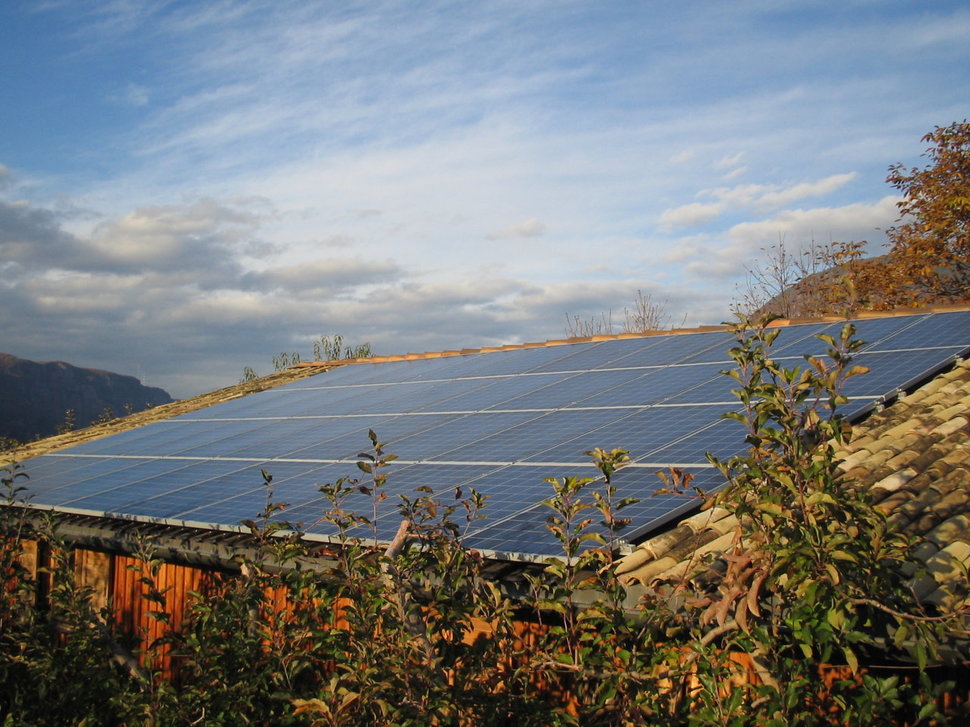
928,261
931,241
817,280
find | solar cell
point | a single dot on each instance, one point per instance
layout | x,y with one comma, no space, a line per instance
351,442
454,395
657,385
510,489
44,469
531,438
174,504
564,392
526,360
671,349
721,437
236,437
131,439
243,495
107,476
492,391
890,372
126,497
446,482
277,437
714,389
938,329
595,355
524,533
499,422
638,432
439,441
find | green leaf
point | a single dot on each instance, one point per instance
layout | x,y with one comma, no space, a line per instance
851,659
899,637
836,618
920,655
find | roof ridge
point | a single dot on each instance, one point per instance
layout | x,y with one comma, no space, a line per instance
777,323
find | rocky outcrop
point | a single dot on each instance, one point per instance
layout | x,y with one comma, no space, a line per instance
34,397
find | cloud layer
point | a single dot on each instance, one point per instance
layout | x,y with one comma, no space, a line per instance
214,183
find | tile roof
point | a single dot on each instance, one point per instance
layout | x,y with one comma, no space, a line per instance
913,457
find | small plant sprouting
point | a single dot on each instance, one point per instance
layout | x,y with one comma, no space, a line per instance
373,463
70,422
332,348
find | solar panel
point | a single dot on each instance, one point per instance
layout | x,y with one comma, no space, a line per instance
499,422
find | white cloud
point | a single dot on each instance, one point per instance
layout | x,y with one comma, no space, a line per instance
765,197
853,222
201,234
694,214
734,174
330,276
729,161
780,197
338,241
391,140
759,197
682,157
134,95
527,228
850,222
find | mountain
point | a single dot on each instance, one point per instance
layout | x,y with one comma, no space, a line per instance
34,397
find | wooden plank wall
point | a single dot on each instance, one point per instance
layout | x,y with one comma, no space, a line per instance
92,569
133,612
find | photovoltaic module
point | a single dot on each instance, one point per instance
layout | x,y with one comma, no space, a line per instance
499,422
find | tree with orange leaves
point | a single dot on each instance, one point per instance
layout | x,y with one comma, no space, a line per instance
931,243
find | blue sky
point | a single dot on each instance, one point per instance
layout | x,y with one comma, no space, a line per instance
187,188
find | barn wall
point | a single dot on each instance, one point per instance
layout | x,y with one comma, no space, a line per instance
28,557
136,614
92,569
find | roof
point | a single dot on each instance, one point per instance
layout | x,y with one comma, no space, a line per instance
305,369
165,411
913,457
707,531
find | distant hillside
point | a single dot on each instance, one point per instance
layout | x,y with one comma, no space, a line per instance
35,396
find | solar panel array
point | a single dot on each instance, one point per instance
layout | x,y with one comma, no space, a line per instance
498,422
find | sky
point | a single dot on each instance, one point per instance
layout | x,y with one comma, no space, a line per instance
188,188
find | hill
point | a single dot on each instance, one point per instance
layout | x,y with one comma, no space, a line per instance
35,396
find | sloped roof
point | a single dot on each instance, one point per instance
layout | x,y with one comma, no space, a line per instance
914,458
312,368
662,554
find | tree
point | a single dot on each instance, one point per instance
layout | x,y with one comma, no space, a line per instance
928,262
817,280
932,239
817,574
